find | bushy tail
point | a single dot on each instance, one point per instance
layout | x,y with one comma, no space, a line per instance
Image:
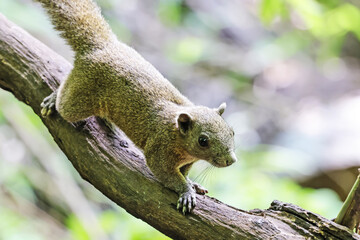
80,23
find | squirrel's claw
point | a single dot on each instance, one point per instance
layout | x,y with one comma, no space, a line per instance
48,105
186,202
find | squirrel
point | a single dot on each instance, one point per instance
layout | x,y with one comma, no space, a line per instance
112,81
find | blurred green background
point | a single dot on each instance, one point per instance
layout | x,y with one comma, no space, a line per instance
288,70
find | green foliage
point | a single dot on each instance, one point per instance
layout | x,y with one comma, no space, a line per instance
187,50
259,179
14,227
170,12
76,228
325,21
270,9
108,221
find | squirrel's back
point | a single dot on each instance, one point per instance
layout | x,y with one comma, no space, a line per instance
98,52
109,78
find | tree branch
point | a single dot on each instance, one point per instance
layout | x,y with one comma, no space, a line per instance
349,214
110,162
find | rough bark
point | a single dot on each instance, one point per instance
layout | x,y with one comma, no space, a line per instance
110,162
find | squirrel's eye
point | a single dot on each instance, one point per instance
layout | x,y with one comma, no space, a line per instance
203,141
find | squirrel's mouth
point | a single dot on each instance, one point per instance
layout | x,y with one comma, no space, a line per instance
224,162
218,163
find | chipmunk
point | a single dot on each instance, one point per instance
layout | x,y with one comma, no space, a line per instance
111,80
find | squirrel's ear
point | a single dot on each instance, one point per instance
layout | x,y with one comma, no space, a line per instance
183,122
220,110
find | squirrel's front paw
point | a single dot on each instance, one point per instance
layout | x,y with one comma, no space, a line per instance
199,189
187,202
48,105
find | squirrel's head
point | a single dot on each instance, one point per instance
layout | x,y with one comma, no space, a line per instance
206,135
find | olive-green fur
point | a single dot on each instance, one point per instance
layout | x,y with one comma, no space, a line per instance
113,81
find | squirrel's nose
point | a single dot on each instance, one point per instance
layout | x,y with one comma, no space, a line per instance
232,159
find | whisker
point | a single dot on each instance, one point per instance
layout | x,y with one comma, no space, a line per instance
208,174
202,176
212,173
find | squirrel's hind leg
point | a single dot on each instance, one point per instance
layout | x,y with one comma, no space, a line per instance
75,99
